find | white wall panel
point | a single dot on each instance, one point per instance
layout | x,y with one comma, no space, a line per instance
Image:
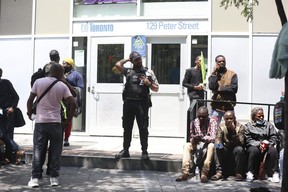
254,86
43,46
265,90
19,62
16,62
236,51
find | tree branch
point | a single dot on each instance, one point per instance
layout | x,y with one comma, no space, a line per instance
281,11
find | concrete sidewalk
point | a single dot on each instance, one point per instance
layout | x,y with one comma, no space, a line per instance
88,164
99,152
113,144
75,179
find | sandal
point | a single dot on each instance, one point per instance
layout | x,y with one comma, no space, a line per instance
204,178
217,177
238,177
204,175
182,177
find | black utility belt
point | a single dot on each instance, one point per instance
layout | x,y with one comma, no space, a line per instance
136,98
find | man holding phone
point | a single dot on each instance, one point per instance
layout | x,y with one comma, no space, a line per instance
224,85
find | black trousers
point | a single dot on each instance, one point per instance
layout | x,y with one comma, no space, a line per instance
234,155
135,109
195,105
255,156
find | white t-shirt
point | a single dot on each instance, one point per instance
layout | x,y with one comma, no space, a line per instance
48,109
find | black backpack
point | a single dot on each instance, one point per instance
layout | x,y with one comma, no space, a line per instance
37,75
279,114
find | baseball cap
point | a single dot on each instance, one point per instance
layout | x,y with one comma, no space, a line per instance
134,55
70,61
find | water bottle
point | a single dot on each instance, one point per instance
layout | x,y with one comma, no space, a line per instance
197,173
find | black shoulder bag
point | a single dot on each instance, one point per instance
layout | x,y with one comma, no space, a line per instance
41,96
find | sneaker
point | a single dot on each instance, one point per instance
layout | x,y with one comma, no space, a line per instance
33,182
145,155
275,178
54,181
66,143
123,153
249,177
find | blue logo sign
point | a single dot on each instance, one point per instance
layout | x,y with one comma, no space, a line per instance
139,44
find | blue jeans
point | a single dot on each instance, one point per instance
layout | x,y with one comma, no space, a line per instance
7,135
42,133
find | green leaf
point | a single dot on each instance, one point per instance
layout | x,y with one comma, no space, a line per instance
245,5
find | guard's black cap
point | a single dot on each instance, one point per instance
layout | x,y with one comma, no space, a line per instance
134,55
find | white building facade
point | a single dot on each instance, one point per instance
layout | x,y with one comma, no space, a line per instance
170,33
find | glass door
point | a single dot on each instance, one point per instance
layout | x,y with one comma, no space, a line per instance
105,98
167,57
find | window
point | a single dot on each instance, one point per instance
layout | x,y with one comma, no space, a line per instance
91,2
108,55
154,1
199,43
166,63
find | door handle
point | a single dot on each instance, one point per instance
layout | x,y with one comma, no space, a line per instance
182,94
92,90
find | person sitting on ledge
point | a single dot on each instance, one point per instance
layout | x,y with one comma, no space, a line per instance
202,135
229,147
260,141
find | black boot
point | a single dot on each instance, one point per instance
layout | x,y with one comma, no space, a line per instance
145,155
122,154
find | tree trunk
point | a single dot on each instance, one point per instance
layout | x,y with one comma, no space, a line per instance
284,187
281,11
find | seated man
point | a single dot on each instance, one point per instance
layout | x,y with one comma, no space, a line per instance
229,147
202,131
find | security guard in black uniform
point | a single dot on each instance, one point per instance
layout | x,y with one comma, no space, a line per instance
136,97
